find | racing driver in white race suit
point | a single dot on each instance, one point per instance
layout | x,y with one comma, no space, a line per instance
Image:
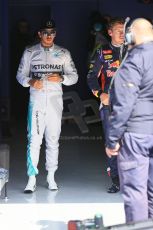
44,67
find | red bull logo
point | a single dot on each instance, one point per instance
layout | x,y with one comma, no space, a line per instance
110,73
114,64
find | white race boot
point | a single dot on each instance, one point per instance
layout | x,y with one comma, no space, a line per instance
31,186
51,181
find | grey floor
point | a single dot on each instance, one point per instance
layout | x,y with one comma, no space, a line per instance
81,177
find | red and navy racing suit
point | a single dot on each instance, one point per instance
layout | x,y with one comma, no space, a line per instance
101,70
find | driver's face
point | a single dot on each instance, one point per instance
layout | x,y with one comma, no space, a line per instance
47,36
117,34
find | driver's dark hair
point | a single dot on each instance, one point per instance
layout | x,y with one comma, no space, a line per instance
114,21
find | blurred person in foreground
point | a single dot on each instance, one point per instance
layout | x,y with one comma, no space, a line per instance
130,133
44,67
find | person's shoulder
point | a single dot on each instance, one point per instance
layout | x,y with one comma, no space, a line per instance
105,46
146,46
60,49
134,52
32,48
105,49
143,52
135,56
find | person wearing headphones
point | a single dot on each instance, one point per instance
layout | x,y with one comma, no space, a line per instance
130,132
45,67
102,68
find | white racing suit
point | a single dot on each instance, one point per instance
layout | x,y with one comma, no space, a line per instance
45,105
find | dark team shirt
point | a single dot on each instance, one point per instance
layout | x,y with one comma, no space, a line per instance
103,67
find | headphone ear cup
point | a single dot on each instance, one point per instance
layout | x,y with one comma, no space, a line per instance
129,37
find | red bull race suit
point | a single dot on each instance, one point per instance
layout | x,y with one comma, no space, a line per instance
101,70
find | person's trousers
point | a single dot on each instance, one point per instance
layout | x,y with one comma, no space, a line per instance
135,165
44,120
112,162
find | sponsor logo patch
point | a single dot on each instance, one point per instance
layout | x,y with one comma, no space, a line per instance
114,64
107,51
110,73
106,57
46,66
